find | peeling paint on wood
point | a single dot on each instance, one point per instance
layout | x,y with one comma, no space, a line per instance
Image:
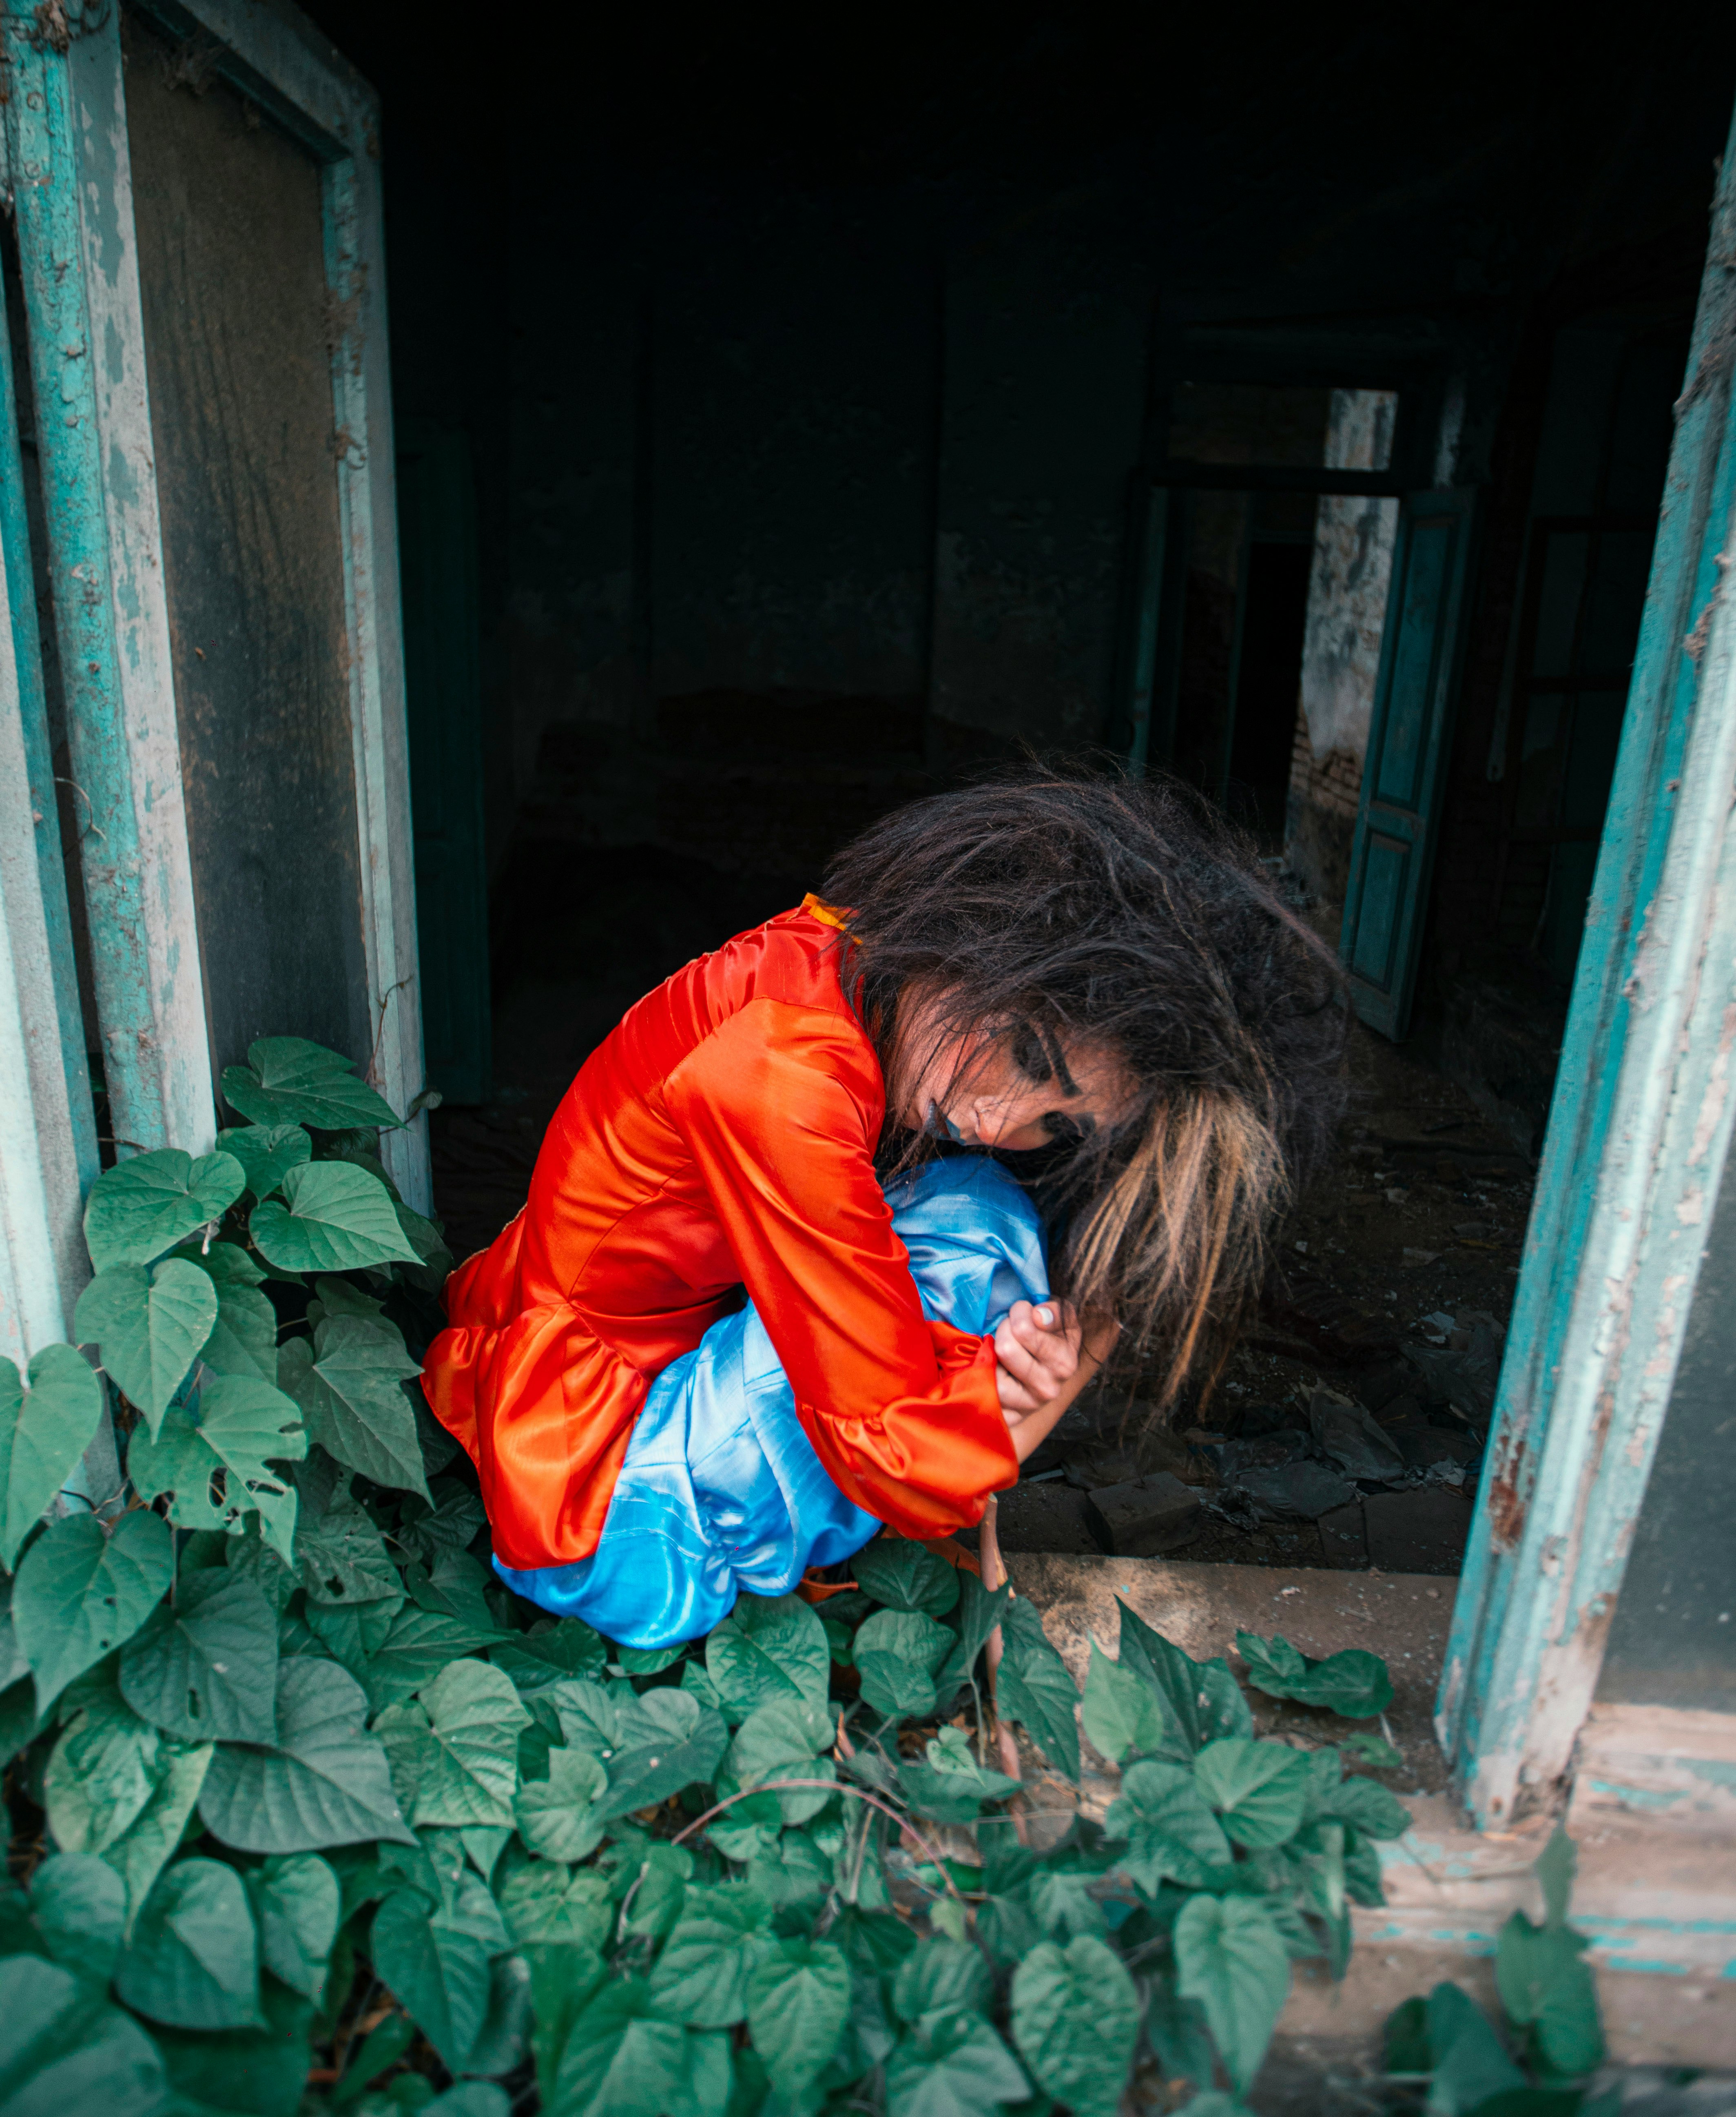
1638,1134
66,125
52,1127
67,140
1674,1765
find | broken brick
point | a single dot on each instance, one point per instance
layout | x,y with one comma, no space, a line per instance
1145,1518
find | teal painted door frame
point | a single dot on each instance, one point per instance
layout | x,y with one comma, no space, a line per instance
48,1156
66,129
1638,1138
1405,762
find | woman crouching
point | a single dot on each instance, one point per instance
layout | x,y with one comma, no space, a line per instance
770,1291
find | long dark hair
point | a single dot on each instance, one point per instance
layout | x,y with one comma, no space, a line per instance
1061,904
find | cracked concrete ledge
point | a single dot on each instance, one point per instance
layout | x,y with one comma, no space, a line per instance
1652,1810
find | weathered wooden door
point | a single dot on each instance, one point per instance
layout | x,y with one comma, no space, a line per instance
443,682
198,230
1404,769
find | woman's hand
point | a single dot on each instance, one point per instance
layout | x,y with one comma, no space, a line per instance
1041,1349
1037,1352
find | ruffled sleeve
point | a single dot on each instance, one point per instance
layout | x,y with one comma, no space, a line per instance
779,1107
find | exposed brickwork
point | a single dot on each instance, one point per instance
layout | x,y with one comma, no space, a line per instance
1324,797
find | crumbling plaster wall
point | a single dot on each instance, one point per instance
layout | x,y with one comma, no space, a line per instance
1341,651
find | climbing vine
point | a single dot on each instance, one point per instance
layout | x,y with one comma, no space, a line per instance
309,1812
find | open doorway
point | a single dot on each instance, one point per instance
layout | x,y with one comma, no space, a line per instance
1277,508
1349,1428
806,498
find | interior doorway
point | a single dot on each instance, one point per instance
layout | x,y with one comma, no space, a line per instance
1261,604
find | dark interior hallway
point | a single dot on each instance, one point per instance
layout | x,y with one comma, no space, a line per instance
847,414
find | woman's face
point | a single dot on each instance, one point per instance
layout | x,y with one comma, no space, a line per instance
1013,1090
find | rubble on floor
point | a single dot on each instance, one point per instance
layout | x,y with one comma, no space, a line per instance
1144,1518
1382,1477
1348,1427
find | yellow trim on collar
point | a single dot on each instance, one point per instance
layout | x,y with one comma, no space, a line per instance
827,913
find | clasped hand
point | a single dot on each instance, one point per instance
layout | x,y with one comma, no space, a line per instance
1044,1356
1037,1350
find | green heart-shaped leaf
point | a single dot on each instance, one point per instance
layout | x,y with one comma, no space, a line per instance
140,1208
465,1762
64,2048
299,1905
1374,1811
82,1591
323,1782
723,1934
149,1329
1171,1835
78,1905
903,1576
672,1741
1076,2018
42,1436
155,1835
1033,1686
288,1081
542,1902
206,1670
1231,1956
1260,1789
431,1956
952,2065
1123,1714
349,1384
102,1772
562,1817
618,2058
941,1973
241,1426
267,1153
798,2000
193,1961
767,1648
331,1217
243,1339
782,1740
896,1653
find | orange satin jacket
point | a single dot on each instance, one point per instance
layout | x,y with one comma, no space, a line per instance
722,1136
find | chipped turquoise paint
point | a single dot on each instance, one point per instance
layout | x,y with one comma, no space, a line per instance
39,117
1645,1797
1500,1627
20,589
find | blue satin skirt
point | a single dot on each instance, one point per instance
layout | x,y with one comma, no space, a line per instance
721,1489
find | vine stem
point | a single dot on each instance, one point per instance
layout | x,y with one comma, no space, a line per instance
994,1573
830,1786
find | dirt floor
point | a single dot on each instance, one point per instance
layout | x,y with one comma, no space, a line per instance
1392,1283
